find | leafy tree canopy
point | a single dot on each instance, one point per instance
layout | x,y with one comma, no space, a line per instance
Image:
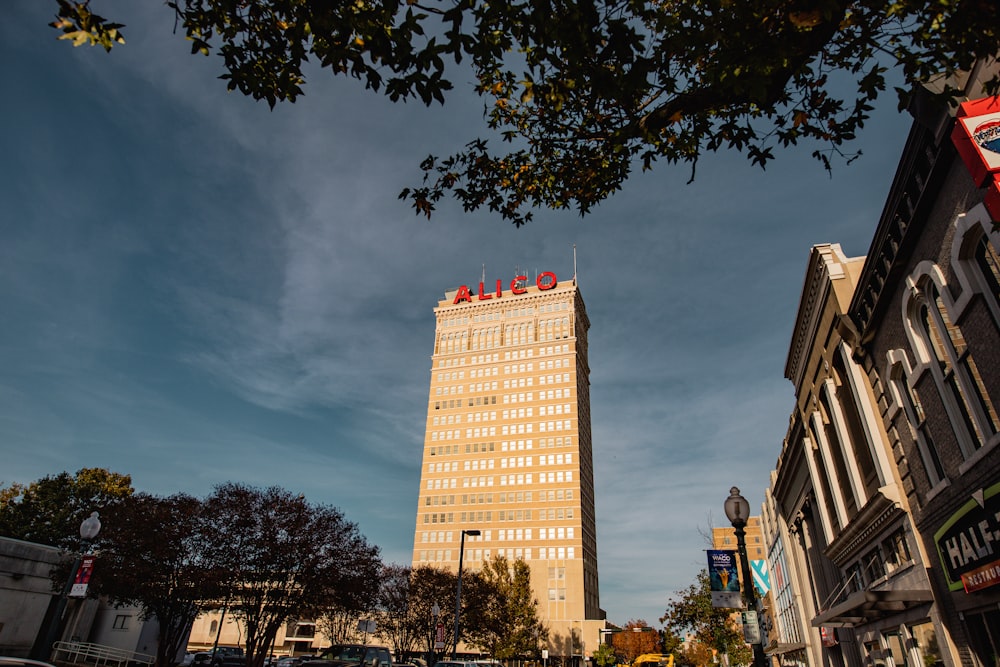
502,613
605,656
50,510
578,103
715,629
285,557
635,639
151,556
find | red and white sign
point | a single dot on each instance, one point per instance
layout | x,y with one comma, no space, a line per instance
82,578
545,281
983,577
439,638
977,137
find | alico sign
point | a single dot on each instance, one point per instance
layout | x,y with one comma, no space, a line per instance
545,281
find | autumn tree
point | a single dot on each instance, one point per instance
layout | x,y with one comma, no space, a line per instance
284,558
636,638
577,104
697,654
50,510
692,612
151,556
502,617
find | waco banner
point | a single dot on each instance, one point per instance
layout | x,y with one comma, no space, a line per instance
723,580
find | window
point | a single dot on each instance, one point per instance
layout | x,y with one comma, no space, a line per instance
897,551
874,566
905,397
121,622
955,372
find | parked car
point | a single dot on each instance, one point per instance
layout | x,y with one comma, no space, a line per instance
351,655
229,658
21,662
456,663
221,656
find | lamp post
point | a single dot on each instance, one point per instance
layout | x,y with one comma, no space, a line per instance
458,591
738,511
89,528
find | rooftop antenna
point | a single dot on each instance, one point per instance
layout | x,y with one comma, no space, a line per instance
574,266
484,273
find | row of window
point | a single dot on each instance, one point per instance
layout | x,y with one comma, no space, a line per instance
511,413
505,446
508,355
516,334
505,429
877,562
518,383
552,495
507,462
492,314
522,397
481,555
484,481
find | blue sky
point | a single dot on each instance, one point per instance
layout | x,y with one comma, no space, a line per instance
196,289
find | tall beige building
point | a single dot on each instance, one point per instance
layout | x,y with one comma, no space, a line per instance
507,450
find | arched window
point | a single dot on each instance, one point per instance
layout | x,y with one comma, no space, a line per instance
941,347
906,398
976,261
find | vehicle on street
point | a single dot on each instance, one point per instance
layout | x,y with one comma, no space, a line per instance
456,663
654,660
201,659
351,655
229,655
21,662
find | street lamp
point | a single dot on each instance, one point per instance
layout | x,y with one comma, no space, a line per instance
458,591
738,511
89,528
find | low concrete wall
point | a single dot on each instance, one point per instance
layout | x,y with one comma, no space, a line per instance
25,593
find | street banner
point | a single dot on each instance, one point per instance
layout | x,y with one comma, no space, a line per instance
723,580
439,637
758,568
81,579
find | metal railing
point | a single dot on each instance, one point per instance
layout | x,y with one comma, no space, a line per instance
97,654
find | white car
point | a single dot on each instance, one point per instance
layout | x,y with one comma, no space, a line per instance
21,662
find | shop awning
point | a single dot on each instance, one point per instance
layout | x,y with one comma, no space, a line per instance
867,606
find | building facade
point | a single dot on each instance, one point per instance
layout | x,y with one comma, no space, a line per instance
835,510
883,512
507,450
927,312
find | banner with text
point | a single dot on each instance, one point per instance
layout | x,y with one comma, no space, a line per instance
723,580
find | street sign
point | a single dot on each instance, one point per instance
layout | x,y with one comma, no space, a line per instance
751,627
